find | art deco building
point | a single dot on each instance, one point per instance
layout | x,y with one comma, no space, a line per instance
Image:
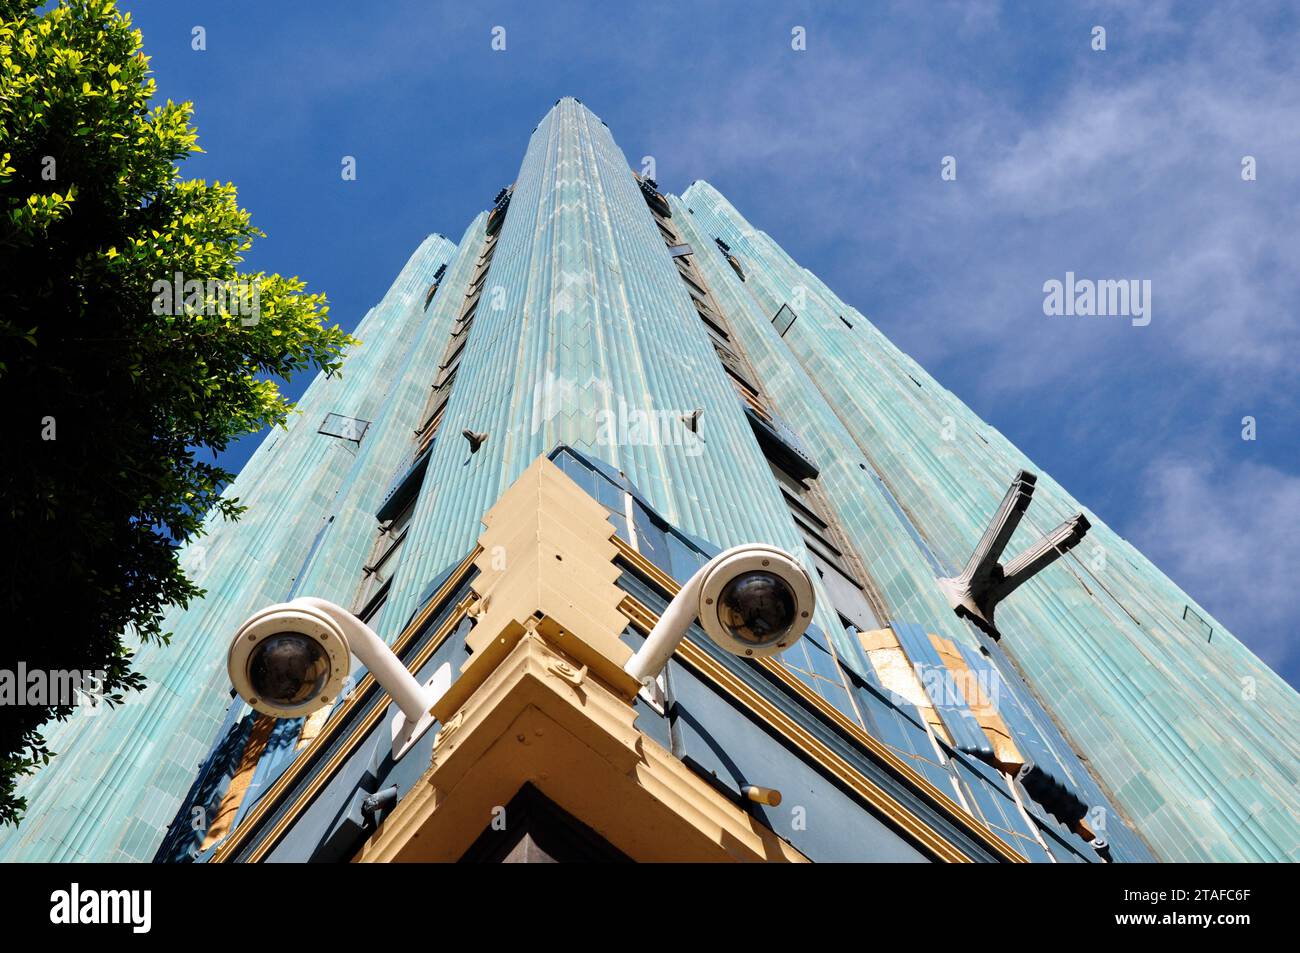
549,427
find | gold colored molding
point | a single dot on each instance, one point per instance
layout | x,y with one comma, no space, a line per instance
540,719
545,564
544,699
239,782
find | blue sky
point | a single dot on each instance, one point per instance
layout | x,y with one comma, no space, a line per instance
1117,164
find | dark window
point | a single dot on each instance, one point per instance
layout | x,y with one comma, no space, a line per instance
451,362
658,204
1199,624
731,363
715,329
846,595
372,610
476,286
345,428
467,316
695,287
783,319
814,526
378,575
440,404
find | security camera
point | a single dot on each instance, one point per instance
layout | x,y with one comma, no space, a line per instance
753,600
293,658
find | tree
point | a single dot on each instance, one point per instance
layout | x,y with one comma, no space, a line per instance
116,390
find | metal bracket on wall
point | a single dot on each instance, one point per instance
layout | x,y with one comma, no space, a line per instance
406,733
985,582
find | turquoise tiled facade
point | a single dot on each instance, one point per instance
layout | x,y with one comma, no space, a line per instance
1197,741
583,334
118,776
584,313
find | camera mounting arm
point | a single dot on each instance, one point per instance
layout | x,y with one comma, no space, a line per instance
669,631
294,658
381,661
985,581
753,600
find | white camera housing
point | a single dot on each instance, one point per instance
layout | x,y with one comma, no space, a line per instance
313,642
734,565
281,620
753,600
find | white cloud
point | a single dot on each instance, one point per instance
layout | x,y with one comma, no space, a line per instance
1131,168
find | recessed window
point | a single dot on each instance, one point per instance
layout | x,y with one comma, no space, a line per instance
466,319
377,577
715,329
477,284
373,610
694,285
677,251
345,428
784,319
1197,623
382,568
453,361
814,526
732,365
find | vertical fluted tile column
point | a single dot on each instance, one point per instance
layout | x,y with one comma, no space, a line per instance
585,335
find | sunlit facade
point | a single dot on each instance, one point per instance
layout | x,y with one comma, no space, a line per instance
548,427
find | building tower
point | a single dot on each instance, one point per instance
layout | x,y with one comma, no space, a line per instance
547,429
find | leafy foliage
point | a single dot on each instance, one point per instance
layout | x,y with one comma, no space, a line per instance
94,212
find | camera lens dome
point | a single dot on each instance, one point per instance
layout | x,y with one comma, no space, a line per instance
288,669
757,607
